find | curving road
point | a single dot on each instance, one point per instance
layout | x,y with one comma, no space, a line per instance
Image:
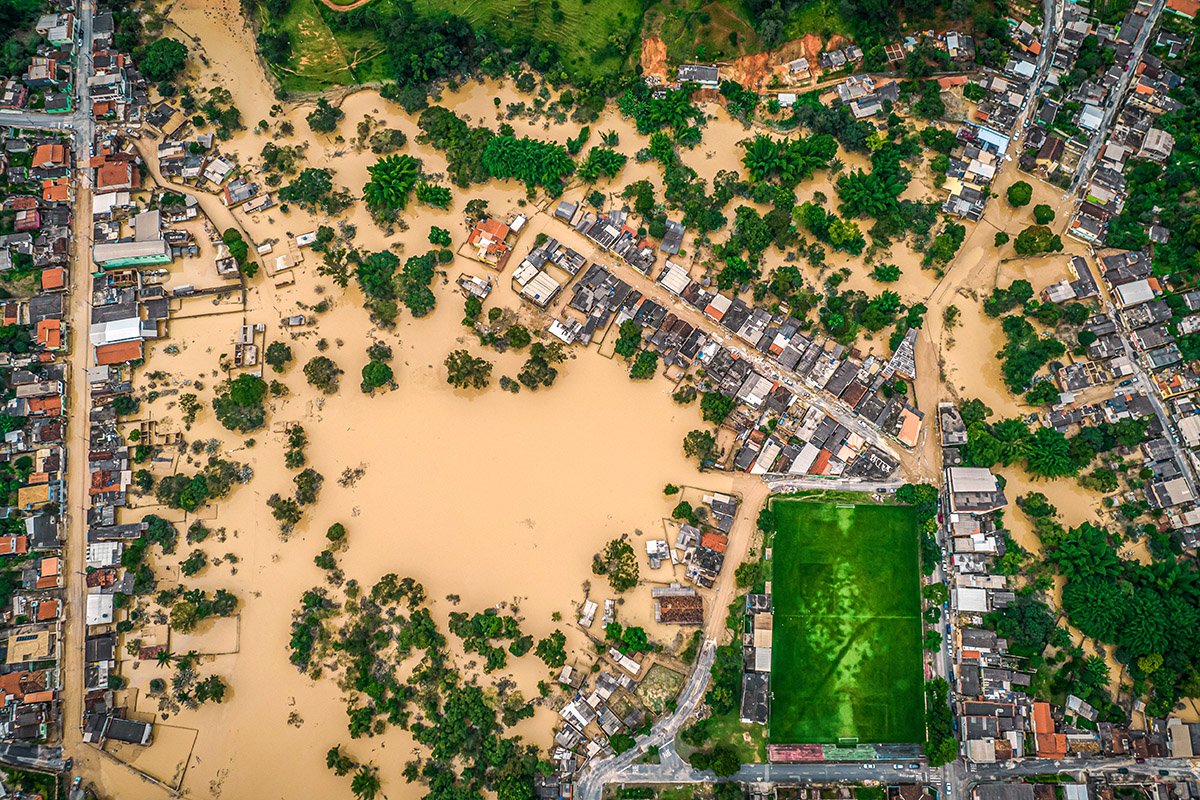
600,773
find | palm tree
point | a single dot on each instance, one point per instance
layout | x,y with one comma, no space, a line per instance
187,660
1049,455
762,156
392,179
866,195
164,658
365,783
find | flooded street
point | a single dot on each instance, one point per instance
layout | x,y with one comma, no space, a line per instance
486,498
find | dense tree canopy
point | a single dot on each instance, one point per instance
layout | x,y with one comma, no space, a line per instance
533,162
788,161
163,59
601,162
464,371
1037,239
1149,611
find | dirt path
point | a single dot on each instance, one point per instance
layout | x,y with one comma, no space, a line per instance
754,493
75,518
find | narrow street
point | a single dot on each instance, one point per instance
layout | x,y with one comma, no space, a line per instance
77,410
75,513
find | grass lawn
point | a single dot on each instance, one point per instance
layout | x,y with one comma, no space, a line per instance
318,60
677,793
847,646
749,740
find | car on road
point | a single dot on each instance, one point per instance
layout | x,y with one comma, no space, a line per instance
1123,770
897,766
868,766
914,766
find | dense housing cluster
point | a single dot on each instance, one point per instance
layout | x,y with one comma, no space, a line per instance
34,254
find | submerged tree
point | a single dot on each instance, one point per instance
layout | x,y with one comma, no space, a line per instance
619,562
325,117
702,446
1019,194
365,783
322,373
465,371
239,403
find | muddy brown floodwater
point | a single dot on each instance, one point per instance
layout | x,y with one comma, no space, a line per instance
491,497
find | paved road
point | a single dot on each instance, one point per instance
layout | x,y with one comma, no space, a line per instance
856,772
1052,14
1084,170
1143,380
33,119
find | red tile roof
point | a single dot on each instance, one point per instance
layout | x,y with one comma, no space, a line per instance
49,406
13,545
47,610
118,353
117,175
49,334
50,155
681,610
57,190
55,278
1184,8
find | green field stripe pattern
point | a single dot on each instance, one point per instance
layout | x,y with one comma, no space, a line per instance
846,658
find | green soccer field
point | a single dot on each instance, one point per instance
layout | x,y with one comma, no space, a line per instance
846,658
